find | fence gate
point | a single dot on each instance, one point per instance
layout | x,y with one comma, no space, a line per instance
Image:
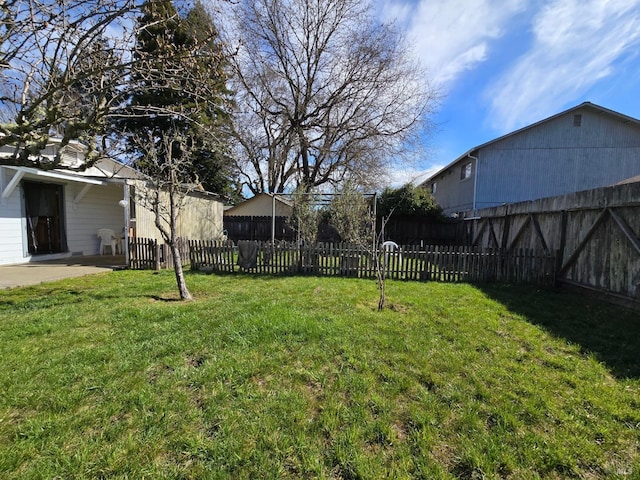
595,233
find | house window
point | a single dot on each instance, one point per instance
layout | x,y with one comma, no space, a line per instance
577,120
465,171
434,186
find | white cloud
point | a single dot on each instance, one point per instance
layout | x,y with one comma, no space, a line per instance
452,36
398,177
576,44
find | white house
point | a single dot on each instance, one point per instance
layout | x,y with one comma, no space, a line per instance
50,214
584,147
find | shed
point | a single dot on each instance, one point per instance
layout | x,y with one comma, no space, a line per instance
263,217
262,205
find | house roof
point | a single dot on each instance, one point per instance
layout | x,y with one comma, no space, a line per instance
55,174
278,198
593,106
106,169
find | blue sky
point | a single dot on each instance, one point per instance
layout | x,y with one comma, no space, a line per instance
504,64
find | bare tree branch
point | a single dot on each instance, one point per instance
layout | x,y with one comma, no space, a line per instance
66,70
61,67
325,93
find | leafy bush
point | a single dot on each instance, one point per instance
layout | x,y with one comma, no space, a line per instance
407,200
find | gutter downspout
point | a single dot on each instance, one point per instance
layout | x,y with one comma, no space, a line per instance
475,182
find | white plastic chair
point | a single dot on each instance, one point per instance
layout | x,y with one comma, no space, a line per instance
107,238
392,253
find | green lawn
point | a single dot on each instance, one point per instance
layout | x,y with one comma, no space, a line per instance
263,378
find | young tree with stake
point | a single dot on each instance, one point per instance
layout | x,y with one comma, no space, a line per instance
176,120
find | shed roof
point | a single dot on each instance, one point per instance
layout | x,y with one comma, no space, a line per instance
259,196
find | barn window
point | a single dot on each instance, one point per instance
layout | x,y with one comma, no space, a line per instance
434,186
465,171
577,120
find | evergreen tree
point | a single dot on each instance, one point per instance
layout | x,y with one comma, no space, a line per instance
180,83
175,121
212,166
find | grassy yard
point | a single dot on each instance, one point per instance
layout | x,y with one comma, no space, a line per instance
260,377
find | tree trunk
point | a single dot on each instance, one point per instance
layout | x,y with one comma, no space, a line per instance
175,252
382,282
382,299
171,239
177,267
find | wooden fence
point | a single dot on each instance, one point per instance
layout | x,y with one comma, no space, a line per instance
436,263
413,262
402,229
150,254
257,228
424,230
596,234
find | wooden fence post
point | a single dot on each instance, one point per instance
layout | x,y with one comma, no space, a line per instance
157,247
560,252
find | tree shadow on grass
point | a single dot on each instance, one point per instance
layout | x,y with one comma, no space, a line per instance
167,298
610,333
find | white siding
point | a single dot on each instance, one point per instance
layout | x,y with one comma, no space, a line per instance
201,218
12,227
98,209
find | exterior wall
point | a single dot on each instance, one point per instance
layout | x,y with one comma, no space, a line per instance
200,217
452,193
144,225
553,157
12,225
556,158
98,209
72,154
260,206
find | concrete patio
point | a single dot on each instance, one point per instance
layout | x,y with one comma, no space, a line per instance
35,273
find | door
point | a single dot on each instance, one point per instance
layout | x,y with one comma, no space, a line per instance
45,222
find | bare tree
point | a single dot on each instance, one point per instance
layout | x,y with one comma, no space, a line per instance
72,68
62,64
166,193
325,94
